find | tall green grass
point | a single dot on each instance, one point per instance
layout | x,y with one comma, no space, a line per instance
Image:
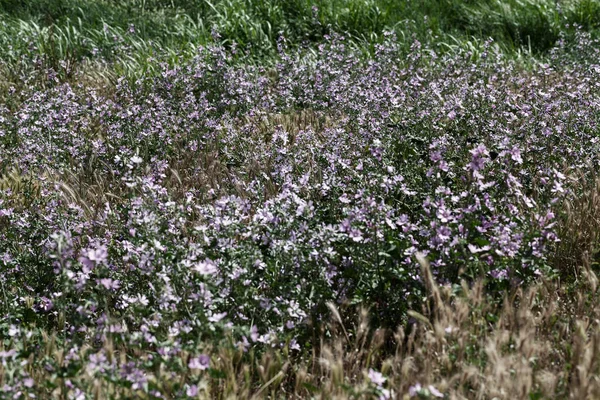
123,36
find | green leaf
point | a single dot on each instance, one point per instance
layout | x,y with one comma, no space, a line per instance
311,388
535,396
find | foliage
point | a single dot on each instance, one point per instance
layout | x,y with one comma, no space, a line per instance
116,38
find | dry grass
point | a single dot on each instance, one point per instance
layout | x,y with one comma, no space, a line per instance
580,229
540,343
264,124
543,342
20,188
205,172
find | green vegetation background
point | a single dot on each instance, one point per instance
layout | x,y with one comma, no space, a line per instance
110,38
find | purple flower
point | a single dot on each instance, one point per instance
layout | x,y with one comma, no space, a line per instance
46,304
376,377
192,391
92,257
254,333
415,390
201,362
110,284
479,157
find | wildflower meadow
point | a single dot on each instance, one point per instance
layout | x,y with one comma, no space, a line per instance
364,204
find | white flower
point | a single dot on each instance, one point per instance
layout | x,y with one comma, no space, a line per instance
473,249
206,267
13,331
217,317
435,392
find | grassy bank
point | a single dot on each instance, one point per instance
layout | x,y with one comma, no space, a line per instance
122,38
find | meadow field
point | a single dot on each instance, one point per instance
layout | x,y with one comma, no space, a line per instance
336,199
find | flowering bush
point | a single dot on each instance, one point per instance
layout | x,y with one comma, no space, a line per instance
220,201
